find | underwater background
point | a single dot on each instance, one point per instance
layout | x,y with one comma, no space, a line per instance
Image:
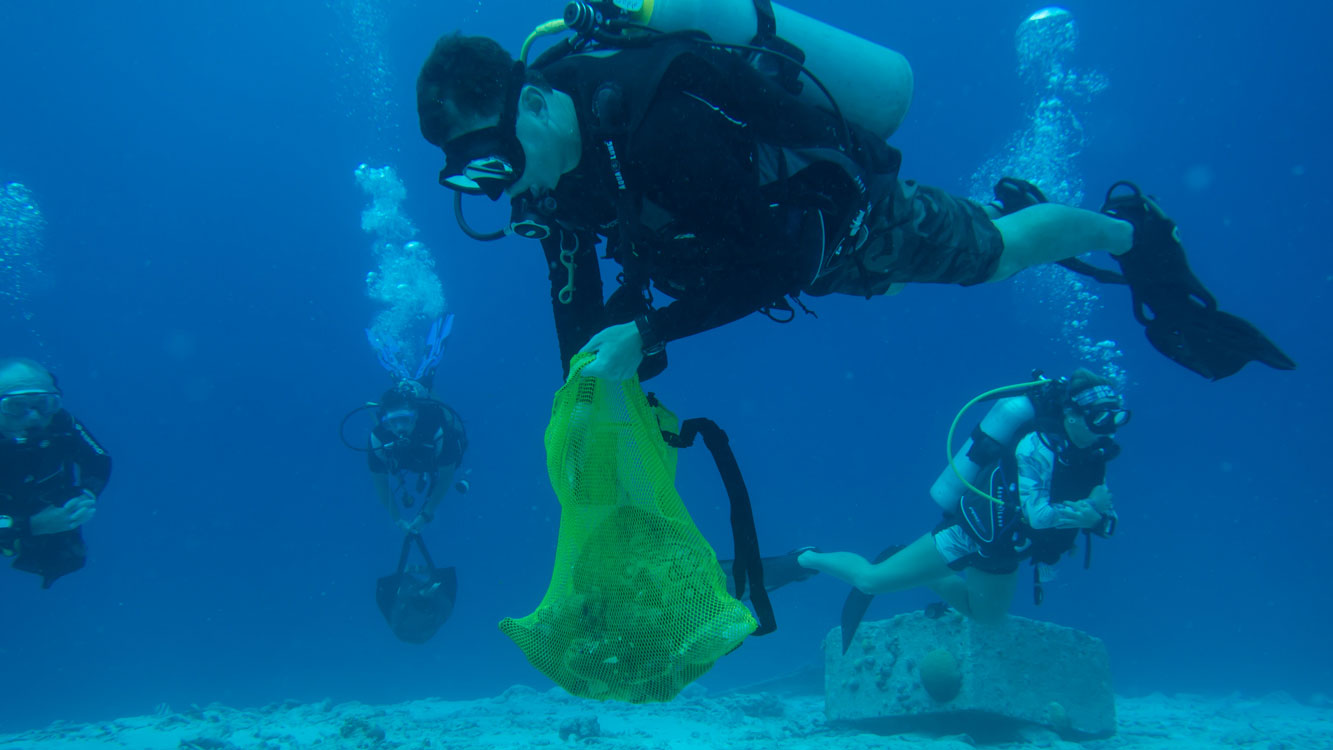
186,252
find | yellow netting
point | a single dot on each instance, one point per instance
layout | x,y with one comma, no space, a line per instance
638,606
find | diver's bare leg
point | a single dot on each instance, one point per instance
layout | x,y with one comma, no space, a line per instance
985,597
917,564
1050,232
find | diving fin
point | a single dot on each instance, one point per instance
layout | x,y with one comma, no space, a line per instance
778,572
854,608
1180,315
1013,194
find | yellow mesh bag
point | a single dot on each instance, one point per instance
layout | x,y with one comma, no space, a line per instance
637,607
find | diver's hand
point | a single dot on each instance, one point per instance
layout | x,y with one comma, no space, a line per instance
1078,515
1101,499
619,351
406,526
73,514
417,524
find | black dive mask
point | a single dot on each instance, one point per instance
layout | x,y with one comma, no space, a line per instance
488,161
1102,409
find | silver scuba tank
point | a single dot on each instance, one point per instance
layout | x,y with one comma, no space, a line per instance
871,83
1002,423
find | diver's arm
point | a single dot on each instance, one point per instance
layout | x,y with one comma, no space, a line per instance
379,475
640,346
708,181
686,317
1101,500
385,495
443,482
1036,465
581,313
93,461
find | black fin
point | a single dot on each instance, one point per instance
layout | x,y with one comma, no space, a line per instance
1213,343
1180,315
854,608
778,572
1013,194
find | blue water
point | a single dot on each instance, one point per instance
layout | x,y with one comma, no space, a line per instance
203,303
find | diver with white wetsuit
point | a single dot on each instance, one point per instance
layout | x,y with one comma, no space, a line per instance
1030,479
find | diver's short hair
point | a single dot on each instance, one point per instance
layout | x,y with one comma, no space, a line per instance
464,78
1082,379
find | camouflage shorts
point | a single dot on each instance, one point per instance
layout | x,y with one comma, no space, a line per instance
916,234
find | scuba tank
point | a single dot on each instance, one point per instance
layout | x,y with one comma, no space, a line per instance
872,84
1002,424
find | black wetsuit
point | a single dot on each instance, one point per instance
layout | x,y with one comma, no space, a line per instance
437,441
46,470
735,194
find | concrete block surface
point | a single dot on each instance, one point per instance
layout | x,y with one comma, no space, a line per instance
949,675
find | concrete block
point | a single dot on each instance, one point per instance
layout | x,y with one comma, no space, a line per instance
949,675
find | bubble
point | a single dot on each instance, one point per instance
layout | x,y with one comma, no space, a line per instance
1044,153
365,88
1045,41
405,282
22,231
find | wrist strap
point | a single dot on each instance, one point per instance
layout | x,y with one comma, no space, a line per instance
652,342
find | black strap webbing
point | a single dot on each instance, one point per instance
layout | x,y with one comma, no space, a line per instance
748,566
1103,275
407,549
767,24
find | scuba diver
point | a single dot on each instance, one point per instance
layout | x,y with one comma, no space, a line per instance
1028,481
52,471
418,441
414,452
727,176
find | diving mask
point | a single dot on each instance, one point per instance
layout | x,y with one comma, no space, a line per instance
490,160
1102,409
18,405
399,419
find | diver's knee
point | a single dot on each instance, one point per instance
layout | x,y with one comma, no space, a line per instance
869,583
860,582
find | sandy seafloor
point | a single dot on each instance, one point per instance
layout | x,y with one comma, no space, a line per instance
522,717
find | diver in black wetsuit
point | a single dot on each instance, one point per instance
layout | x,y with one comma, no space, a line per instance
52,471
719,189
414,451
